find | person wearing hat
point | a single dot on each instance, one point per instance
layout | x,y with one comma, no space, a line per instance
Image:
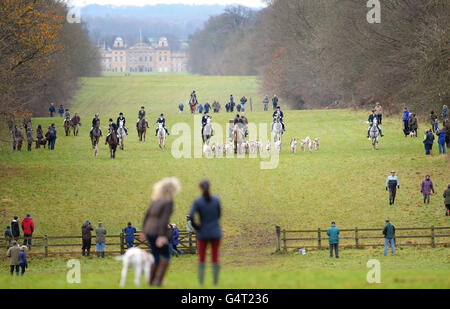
392,184
129,231
333,239
426,188
112,125
237,119
389,237
141,115
379,112
121,118
204,120
371,119
278,113
161,120
13,254
86,237
95,120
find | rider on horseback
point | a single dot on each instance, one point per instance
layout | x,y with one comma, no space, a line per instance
94,123
371,119
141,115
205,121
119,119
162,120
113,126
278,114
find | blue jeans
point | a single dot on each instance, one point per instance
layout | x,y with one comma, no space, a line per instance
427,149
100,247
51,144
389,242
442,149
130,244
336,250
164,251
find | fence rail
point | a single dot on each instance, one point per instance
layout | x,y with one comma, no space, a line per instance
360,238
115,244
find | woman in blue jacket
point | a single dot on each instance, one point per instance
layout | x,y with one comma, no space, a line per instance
441,141
208,230
23,259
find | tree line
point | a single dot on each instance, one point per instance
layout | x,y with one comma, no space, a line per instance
42,56
325,53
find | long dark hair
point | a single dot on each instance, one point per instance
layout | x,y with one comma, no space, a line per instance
204,186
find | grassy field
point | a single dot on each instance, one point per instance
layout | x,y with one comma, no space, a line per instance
343,182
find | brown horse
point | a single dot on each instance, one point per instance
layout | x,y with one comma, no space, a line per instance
95,137
113,141
142,129
67,126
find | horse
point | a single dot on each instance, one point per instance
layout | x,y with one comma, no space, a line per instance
207,132
121,134
95,137
374,134
277,129
238,137
113,141
75,127
67,126
161,136
142,129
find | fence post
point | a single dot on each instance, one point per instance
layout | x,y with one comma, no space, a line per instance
122,245
319,238
277,229
356,238
433,244
284,241
45,245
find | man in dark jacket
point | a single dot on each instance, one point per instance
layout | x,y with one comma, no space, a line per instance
15,229
51,109
86,236
333,239
243,102
371,118
389,237
447,200
275,102
129,231
428,142
28,229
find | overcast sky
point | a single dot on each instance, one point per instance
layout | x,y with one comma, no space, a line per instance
249,3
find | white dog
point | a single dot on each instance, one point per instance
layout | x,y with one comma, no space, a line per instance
310,146
141,261
316,144
294,145
278,146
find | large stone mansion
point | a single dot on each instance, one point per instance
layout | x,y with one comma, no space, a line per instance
143,57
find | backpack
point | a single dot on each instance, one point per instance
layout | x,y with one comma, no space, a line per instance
52,133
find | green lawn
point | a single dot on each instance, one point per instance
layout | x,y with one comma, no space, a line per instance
343,182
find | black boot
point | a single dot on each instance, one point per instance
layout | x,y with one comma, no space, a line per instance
83,252
103,254
88,252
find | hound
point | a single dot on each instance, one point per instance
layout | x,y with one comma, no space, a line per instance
294,145
310,146
316,144
278,146
141,261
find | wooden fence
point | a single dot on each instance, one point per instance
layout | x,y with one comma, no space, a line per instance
115,244
360,238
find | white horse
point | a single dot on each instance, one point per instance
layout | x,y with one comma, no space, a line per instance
161,136
207,131
121,133
277,129
374,134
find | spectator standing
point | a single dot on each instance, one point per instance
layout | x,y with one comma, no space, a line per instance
39,136
130,230
433,119
14,136
441,140
426,188
86,236
61,110
181,107
389,237
447,200
266,103
207,107
13,254
51,109
379,112
15,229
23,263
30,138
51,137
333,239
8,236
170,238
445,112
28,230
208,230
275,102
243,102
155,226
227,107
200,109
19,138
100,239
405,121
392,184
428,142
413,125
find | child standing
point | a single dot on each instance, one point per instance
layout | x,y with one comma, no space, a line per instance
8,237
23,263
